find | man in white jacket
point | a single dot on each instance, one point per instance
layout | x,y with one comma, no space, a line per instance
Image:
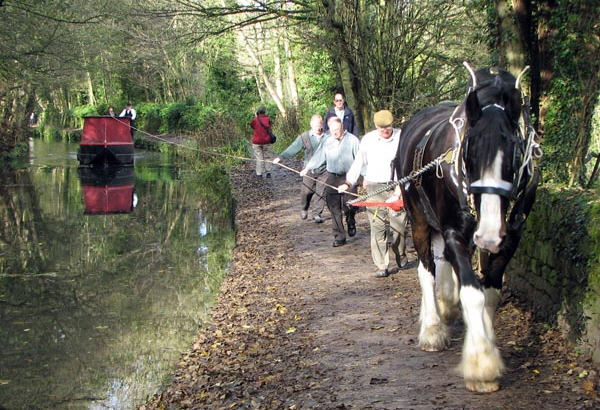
130,113
388,228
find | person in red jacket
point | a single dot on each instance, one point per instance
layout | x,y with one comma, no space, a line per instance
261,142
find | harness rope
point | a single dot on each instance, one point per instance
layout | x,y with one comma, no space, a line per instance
147,134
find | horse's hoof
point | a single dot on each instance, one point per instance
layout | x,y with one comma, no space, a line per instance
481,386
431,348
434,338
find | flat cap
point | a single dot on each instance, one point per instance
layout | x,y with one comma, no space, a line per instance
383,118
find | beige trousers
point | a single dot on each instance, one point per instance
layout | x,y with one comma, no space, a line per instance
262,153
388,230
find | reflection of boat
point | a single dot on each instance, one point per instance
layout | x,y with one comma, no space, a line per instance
105,140
108,190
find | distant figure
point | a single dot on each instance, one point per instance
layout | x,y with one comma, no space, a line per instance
261,141
313,183
32,119
111,111
343,112
129,112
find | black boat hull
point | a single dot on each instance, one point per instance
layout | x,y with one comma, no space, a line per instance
100,155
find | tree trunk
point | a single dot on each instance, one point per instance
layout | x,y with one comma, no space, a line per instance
512,53
277,66
90,87
291,73
352,92
263,76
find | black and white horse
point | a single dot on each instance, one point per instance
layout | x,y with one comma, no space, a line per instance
479,199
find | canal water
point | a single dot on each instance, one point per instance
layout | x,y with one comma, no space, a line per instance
104,278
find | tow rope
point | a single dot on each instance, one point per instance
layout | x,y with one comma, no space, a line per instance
146,134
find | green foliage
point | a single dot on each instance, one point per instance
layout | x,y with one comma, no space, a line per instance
185,117
149,117
594,251
77,114
560,133
228,89
171,117
317,83
18,153
574,91
197,116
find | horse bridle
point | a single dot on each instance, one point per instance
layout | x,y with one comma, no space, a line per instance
500,187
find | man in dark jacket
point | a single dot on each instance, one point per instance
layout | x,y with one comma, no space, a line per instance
343,112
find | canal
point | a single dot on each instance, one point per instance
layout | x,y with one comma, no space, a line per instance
104,278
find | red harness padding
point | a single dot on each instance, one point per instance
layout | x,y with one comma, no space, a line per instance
394,206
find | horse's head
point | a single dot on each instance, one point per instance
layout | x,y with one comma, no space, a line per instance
491,152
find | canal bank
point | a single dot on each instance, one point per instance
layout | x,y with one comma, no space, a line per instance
300,324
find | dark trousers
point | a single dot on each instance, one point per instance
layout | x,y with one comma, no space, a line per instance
336,203
310,187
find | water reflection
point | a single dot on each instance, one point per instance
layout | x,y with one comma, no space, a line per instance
108,190
94,309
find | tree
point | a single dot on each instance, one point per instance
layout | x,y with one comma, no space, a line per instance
397,54
560,40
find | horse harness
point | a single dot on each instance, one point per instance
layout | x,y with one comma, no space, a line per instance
525,150
417,180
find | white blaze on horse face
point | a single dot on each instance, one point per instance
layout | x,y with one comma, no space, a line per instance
488,235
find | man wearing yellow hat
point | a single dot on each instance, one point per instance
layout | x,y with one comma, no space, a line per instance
388,228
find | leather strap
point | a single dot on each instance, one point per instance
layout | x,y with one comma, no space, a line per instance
428,211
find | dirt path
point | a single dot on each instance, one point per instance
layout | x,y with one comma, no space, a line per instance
300,324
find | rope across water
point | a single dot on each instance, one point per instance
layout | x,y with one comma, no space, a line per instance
204,151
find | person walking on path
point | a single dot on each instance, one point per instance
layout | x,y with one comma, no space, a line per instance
343,112
313,182
261,142
130,113
337,151
388,228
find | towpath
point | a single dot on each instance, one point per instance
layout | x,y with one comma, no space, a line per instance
300,324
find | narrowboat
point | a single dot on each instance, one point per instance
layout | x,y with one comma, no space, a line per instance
105,141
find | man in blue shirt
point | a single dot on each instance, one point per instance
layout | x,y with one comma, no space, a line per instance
337,151
313,183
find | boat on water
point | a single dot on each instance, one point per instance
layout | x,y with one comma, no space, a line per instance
105,141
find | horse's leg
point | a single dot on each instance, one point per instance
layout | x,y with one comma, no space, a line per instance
433,333
481,363
494,265
446,282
